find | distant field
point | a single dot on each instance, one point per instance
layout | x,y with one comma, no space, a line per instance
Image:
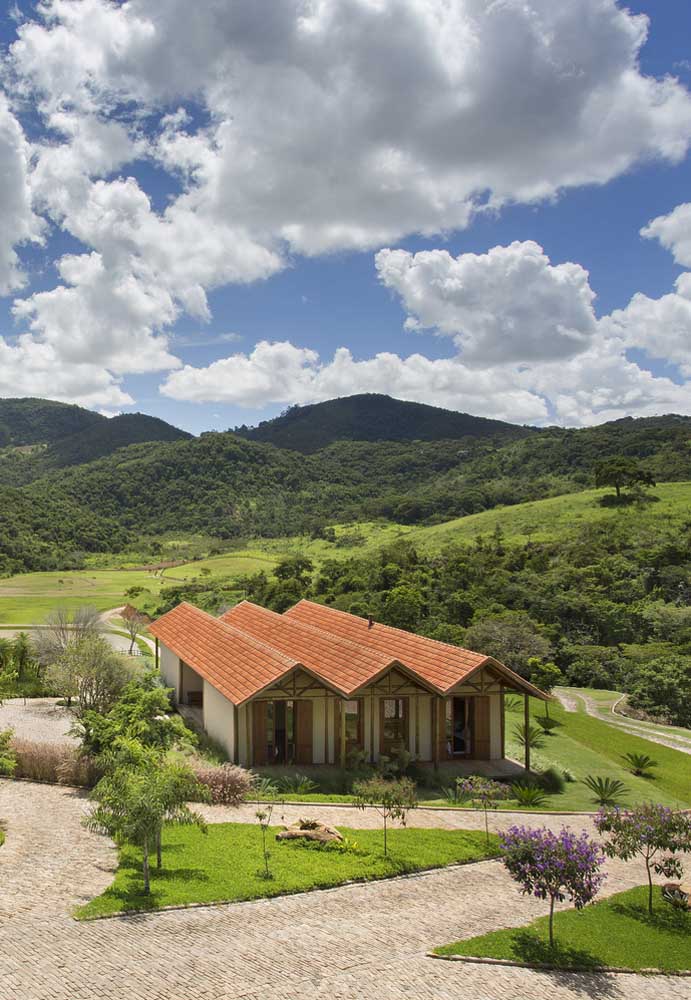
28,598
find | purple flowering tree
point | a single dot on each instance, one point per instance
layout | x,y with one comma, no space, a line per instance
553,866
654,832
482,793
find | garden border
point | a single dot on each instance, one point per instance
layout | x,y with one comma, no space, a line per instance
580,969
421,873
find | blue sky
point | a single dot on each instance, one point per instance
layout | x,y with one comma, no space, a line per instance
110,296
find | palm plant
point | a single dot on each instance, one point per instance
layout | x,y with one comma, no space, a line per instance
298,784
527,795
606,791
529,736
640,764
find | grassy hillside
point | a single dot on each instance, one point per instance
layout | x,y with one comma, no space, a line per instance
545,520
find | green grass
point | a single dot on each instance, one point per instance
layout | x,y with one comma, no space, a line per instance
543,520
616,932
226,864
586,745
604,700
28,598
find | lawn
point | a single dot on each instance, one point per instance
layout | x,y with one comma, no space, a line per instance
616,932
27,599
586,745
226,864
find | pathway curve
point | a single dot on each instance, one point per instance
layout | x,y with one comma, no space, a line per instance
653,732
352,943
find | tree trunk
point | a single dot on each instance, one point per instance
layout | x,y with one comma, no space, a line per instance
650,886
145,867
486,827
159,861
617,487
551,922
385,850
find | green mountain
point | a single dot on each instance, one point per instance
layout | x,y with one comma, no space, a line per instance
41,421
226,486
38,436
373,417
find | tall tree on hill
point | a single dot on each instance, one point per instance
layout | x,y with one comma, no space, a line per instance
620,472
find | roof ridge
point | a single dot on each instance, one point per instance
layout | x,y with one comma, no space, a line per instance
401,631
258,643
339,640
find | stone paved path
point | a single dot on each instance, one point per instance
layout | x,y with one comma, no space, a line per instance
352,943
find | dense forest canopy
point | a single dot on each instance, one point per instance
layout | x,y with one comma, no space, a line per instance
228,487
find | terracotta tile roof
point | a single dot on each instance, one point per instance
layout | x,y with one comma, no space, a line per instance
235,663
343,664
438,663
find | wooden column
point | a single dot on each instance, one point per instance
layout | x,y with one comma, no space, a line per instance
417,725
502,723
157,656
342,750
236,735
249,710
327,708
371,728
526,721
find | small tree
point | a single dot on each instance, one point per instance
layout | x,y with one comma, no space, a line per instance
8,756
102,673
264,819
63,678
138,794
390,799
483,793
647,831
546,676
134,623
553,866
8,683
620,472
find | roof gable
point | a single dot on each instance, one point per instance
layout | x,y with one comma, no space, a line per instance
236,664
439,663
337,660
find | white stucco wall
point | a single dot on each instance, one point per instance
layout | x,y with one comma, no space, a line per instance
219,718
169,666
425,710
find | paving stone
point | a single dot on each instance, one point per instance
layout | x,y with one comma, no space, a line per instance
355,942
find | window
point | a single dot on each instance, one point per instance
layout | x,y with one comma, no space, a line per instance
280,731
393,725
353,723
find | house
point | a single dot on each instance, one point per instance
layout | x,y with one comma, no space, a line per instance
314,685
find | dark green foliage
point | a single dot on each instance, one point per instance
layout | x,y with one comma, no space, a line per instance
606,791
662,687
372,417
640,764
528,795
620,472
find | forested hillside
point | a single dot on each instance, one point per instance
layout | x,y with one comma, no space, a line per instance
373,417
605,593
228,487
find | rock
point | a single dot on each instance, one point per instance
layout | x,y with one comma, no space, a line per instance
310,830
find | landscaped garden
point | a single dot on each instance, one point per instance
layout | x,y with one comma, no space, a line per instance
617,932
227,863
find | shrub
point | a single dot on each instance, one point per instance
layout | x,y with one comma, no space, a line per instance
606,791
640,764
547,724
529,736
264,787
228,784
298,784
528,795
59,763
8,756
552,780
